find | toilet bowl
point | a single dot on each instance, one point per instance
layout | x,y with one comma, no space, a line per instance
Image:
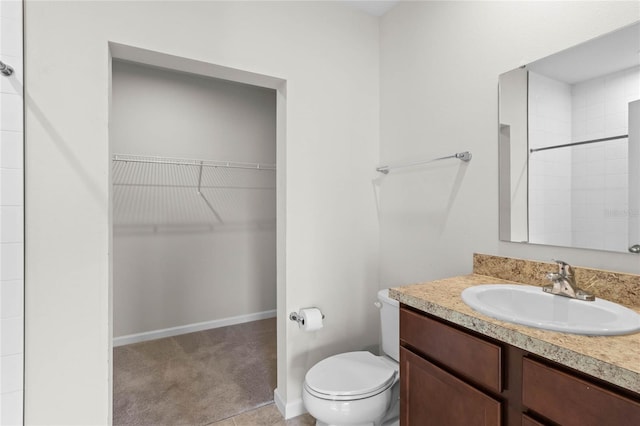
358,388
352,388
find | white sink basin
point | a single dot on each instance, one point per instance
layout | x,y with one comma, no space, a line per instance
529,305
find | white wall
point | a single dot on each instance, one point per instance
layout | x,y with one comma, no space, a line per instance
174,263
166,113
11,216
328,55
440,63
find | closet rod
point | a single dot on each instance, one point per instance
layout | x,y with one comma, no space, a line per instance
189,162
612,138
464,156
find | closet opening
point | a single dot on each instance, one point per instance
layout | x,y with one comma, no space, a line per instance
194,245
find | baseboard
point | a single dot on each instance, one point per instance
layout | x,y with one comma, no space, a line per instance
280,404
190,328
291,409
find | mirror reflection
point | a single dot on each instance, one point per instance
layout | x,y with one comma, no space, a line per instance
569,137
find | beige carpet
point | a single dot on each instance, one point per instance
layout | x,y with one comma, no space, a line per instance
195,379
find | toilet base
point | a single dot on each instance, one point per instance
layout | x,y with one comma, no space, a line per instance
392,417
388,417
363,412
392,422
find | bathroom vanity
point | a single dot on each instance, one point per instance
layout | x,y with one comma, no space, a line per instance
453,376
462,367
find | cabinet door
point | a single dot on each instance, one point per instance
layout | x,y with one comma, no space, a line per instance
431,396
528,421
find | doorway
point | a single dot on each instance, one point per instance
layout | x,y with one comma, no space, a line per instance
194,241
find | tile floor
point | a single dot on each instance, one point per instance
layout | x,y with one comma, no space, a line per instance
223,376
266,416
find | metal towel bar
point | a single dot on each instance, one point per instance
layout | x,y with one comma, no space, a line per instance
464,156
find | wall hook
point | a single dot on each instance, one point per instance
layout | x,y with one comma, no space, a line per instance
5,69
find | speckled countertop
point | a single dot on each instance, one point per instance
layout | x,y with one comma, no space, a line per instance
615,359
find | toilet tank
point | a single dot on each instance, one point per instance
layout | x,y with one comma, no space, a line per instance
389,324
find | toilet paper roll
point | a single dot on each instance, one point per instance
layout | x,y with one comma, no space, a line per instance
310,319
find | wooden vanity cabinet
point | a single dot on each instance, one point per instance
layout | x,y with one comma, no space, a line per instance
452,376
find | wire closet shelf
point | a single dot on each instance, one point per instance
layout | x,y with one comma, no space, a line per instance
178,193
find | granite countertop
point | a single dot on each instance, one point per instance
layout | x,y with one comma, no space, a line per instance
615,359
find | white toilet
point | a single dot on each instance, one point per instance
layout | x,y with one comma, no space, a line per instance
359,388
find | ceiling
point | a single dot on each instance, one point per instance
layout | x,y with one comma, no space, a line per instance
373,7
603,55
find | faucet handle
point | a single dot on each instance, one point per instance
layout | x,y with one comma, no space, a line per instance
564,268
553,276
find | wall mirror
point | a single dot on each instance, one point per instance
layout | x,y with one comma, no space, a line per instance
569,147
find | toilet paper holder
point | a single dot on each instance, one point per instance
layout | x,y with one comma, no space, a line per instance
295,316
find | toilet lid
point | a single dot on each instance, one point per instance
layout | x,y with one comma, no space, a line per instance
352,374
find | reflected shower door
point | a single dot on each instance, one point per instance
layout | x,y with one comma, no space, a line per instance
634,176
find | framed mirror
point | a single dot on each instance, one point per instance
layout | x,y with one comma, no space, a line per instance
569,147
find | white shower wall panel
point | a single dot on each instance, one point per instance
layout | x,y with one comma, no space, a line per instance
11,216
579,195
600,195
549,171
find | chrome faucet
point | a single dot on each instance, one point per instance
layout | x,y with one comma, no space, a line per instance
564,283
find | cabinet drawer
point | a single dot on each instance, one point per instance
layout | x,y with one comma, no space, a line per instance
570,400
477,360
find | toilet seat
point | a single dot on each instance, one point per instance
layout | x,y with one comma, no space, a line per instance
350,376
